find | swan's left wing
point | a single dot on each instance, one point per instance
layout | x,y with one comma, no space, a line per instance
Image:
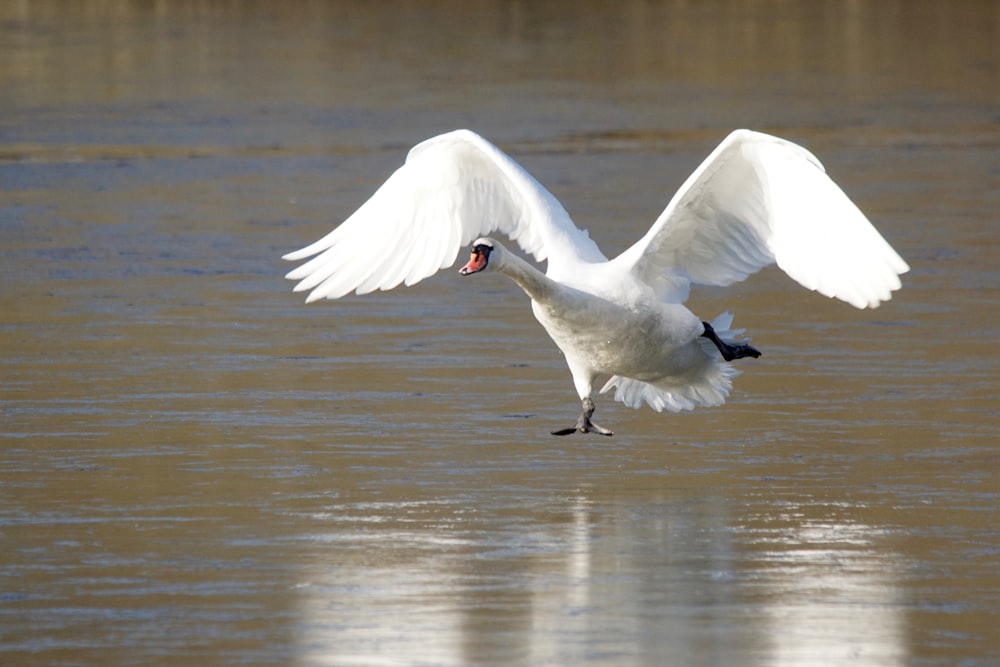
452,189
758,200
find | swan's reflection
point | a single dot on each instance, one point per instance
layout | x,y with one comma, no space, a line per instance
426,583
833,599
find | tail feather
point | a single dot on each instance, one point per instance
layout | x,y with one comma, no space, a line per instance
705,386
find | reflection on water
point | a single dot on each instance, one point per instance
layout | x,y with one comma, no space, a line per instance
684,583
198,469
838,599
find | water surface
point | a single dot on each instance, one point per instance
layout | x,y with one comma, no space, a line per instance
199,469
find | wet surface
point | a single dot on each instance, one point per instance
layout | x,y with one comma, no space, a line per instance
198,469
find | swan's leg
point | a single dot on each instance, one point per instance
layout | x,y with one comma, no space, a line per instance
730,351
583,424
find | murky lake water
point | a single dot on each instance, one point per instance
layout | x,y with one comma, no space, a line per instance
197,469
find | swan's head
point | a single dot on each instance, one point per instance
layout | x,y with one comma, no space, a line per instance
481,249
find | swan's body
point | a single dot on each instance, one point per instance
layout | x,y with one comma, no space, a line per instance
756,200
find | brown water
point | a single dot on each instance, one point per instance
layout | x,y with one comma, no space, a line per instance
197,469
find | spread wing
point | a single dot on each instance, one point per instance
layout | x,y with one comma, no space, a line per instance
758,200
452,189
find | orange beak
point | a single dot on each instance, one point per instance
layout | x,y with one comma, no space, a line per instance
476,263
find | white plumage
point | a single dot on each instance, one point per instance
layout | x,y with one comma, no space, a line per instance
756,200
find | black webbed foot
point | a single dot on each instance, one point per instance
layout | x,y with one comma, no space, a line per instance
584,424
730,351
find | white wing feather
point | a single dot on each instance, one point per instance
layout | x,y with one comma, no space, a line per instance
452,189
757,200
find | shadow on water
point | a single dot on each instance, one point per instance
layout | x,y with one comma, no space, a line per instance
198,468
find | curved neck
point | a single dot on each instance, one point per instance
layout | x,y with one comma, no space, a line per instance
534,283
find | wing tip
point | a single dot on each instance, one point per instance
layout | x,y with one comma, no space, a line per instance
303,253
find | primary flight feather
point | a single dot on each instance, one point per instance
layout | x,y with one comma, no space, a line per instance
755,201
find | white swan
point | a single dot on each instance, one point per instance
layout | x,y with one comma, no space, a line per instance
756,200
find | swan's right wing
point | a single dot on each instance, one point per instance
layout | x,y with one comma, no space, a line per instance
755,201
452,189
